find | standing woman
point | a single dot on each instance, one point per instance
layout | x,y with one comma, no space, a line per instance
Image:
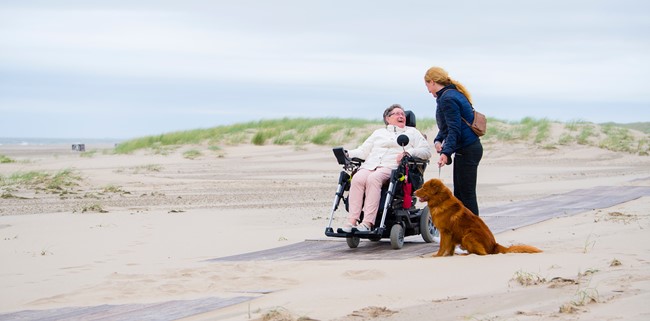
454,135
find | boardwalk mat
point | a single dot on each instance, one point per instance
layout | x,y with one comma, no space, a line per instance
499,219
523,213
161,311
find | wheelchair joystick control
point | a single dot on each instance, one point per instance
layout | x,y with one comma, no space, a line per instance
402,140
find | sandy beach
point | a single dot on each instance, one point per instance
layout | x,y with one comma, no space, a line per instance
145,228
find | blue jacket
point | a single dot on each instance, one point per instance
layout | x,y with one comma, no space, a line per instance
453,132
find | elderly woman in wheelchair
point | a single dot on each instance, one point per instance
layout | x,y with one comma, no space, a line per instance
377,161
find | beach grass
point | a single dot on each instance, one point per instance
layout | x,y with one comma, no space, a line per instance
146,168
643,127
340,131
192,154
94,207
5,160
285,131
61,182
114,189
88,154
527,278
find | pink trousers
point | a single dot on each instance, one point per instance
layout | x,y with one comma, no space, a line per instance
366,182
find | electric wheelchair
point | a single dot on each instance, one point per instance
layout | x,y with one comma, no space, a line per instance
398,216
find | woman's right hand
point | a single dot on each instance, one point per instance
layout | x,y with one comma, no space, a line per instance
443,160
438,147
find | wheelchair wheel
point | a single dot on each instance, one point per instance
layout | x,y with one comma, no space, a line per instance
397,236
353,241
427,229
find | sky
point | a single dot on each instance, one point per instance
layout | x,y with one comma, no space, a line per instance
127,69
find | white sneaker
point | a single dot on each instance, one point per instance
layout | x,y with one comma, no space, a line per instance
347,228
362,227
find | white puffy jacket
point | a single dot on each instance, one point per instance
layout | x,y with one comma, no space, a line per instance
381,148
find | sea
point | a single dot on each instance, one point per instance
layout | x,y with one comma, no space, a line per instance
41,141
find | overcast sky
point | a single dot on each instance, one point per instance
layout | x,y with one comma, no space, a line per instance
124,69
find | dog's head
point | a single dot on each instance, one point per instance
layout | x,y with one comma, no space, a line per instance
429,189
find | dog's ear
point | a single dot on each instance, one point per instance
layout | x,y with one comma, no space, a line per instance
434,186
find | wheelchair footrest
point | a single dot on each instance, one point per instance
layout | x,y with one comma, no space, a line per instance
364,235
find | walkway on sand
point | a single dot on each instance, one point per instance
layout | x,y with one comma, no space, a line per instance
499,219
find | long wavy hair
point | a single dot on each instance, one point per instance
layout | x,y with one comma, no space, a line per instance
440,76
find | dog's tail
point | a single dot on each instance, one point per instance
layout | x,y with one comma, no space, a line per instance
520,248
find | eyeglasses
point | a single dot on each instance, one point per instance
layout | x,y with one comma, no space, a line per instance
397,113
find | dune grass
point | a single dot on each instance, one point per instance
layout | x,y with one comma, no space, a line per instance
285,131
60,183
339,131
5,160
643,127
528,128
192,154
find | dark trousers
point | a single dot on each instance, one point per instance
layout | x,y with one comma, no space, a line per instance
465,173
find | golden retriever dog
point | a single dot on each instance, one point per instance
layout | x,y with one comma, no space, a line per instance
459,226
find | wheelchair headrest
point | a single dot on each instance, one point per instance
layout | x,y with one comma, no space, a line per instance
410,118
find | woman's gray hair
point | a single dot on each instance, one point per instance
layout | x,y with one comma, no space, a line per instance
390,109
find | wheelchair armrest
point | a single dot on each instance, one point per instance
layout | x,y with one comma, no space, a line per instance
340,155
343,159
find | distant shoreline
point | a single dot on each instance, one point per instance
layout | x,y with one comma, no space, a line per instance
40,141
